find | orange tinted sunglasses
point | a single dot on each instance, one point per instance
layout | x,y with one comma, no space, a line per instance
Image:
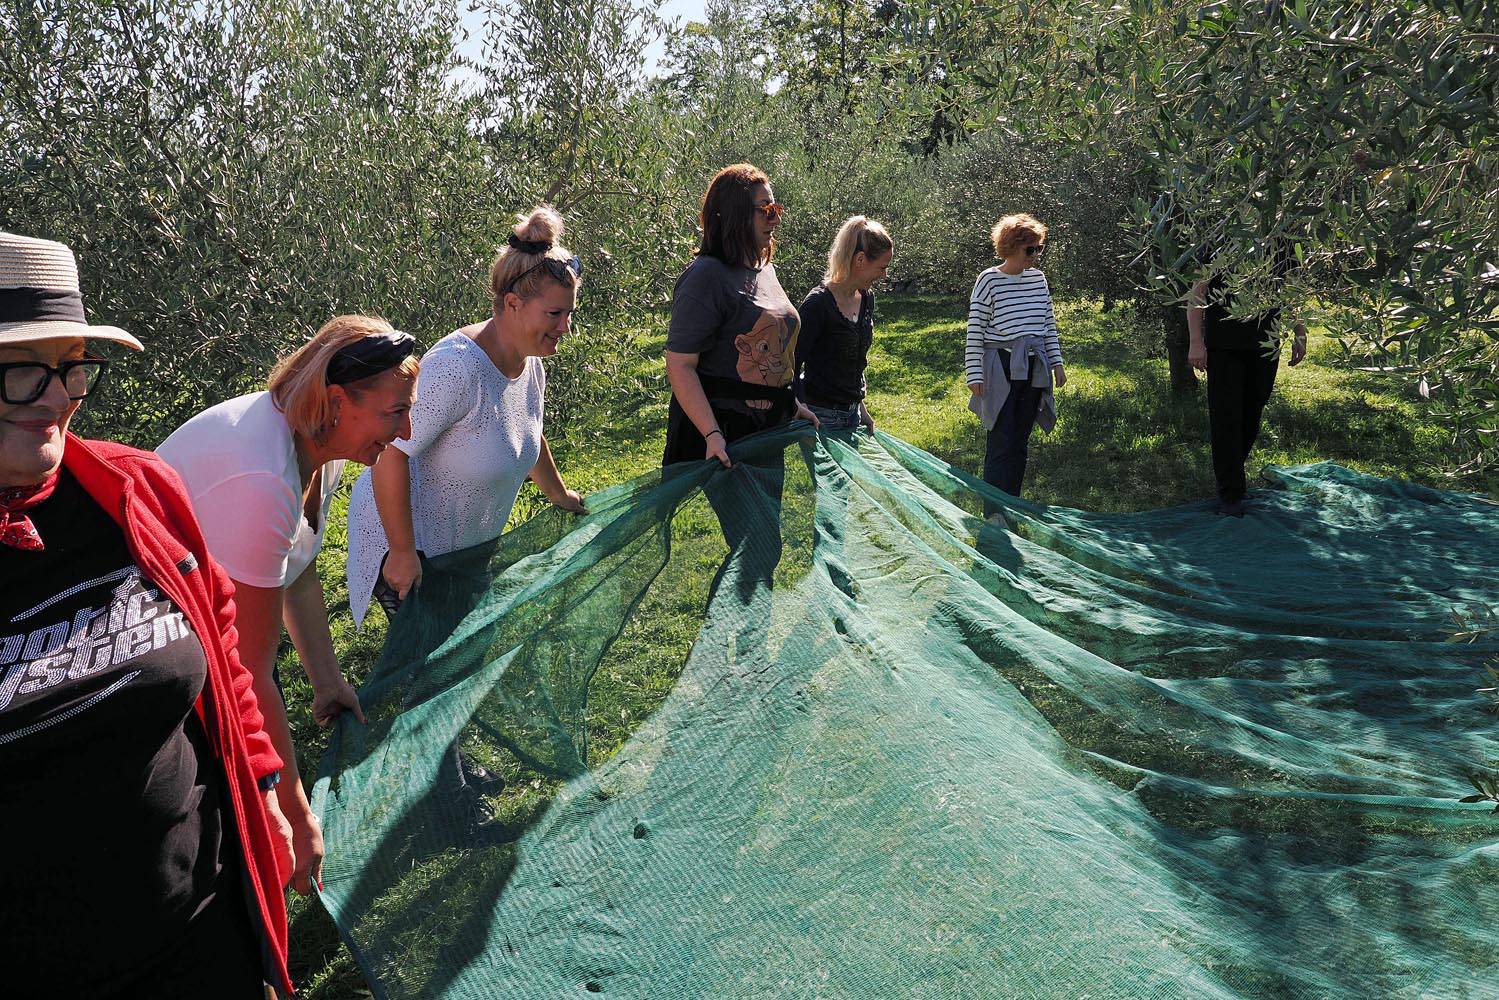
772,211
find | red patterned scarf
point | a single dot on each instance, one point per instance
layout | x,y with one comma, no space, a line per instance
16,529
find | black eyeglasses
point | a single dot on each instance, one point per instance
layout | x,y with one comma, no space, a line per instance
1035,251
23,382
558,269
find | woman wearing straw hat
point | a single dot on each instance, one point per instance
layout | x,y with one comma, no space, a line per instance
145,853
261,470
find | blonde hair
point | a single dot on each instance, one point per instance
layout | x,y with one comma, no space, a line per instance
542,225
1014,230
858,235
299,383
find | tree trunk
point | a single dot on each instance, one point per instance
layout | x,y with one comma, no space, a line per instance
1183,378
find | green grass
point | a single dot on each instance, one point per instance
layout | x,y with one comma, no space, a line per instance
1123,442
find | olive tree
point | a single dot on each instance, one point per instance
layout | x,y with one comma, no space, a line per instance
1360,136
232,173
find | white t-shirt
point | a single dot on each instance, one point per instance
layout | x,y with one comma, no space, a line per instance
475,435
239,462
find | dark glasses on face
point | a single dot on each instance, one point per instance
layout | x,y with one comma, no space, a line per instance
1035,251
23,382
772,210
558,269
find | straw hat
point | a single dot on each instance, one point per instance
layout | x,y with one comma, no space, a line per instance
39,296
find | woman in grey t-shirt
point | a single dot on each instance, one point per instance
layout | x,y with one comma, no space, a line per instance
731,345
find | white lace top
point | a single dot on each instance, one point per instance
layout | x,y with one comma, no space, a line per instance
475,435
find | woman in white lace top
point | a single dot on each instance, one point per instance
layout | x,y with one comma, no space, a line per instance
476,428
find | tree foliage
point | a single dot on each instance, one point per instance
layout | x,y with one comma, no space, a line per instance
1361,135
235,171
232,173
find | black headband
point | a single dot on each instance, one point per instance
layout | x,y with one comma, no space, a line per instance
370,355
40,305
528,246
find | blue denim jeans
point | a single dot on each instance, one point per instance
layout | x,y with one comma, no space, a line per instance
836,418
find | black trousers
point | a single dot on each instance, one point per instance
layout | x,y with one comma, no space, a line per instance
1007,448
756,538
1239,384
219,956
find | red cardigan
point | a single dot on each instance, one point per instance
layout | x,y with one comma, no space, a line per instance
149,502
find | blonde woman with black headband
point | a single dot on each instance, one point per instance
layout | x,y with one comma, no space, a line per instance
261,470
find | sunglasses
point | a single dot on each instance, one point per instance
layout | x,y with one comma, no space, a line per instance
558,269
772,210
23,382
1035,251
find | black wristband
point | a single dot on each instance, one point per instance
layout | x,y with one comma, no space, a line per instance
712,432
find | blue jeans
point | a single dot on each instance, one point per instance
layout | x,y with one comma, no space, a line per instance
1008,445
836,418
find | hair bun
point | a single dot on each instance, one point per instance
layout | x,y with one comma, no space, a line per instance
542,225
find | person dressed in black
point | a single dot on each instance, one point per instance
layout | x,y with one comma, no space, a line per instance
838,326
1241,355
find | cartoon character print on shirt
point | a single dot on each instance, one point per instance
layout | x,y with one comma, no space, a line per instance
766,354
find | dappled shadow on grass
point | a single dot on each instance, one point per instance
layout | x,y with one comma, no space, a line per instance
1357,421
1124,440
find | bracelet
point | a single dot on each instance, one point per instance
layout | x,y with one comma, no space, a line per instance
269,781
713,432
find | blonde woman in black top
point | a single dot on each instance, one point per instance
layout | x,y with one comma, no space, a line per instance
838,326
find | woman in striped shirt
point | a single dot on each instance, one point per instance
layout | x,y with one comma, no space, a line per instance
1013,358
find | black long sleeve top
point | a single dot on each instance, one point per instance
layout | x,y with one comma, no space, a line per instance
832,353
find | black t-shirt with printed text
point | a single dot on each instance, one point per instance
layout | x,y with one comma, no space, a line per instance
112,827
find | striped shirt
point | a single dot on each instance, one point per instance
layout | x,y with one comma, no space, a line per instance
1004,308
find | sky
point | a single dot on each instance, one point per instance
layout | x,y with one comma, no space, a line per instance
686,10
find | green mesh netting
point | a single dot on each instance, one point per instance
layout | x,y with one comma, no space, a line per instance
882,747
